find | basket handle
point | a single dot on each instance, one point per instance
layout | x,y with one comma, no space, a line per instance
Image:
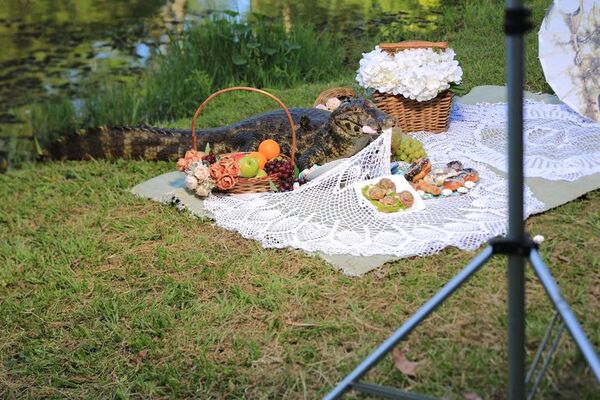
247,89
414,44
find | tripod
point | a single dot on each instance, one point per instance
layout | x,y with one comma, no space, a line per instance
517,246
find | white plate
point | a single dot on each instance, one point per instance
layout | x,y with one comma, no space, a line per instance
401,184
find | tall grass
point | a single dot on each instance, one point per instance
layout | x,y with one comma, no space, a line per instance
216,54
53,117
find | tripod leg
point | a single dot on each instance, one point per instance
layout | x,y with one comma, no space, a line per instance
538,355
546,363
565,312
410,324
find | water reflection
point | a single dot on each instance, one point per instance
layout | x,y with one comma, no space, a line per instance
54,46
49,46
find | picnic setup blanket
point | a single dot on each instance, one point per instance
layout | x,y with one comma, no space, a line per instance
324,217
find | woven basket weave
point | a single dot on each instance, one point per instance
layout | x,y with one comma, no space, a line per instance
337,92
414,116
250,185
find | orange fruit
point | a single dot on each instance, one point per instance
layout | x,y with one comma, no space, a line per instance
262,159
269,148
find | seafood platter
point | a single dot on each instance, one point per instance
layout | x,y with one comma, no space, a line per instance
433,181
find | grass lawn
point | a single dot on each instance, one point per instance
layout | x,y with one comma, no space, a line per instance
105,295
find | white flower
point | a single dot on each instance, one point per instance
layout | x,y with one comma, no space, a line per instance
202,173
191,182
419,74
203,190
192,167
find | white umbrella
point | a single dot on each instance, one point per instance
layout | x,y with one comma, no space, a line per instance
569,40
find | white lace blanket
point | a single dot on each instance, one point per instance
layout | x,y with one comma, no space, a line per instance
559,143
325,215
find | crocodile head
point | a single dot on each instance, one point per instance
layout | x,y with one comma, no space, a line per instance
358,118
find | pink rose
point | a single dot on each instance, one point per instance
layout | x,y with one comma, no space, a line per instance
181,164
226,182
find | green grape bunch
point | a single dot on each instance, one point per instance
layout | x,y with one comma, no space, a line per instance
406,148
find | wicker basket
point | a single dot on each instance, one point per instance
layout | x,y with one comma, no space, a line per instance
250,185
337,92
414,116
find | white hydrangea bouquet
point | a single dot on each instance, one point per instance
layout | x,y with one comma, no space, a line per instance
417,74
412,81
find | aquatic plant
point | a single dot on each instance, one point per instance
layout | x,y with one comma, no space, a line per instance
52,117
219,52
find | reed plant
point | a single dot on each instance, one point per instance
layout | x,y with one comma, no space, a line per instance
220,52
52,117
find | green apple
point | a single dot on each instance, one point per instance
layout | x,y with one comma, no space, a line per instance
261,173
248,167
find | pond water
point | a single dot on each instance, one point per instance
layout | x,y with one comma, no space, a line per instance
54,47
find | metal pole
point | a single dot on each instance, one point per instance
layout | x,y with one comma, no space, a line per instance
565,312
541,349
516,263
546,363
410,324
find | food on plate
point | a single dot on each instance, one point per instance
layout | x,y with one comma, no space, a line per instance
406,198
441,180
389,200
453,183
435,179
427,188
439,175
387,184
269,148
376,193
469,175
418,170
455,165
384,197
406,148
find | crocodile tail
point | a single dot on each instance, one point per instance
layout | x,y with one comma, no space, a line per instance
140,142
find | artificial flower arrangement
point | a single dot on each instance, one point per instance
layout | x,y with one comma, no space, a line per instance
416,73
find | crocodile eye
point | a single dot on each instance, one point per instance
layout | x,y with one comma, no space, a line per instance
356,128
347,125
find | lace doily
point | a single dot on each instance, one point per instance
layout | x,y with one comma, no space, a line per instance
325,215
559,143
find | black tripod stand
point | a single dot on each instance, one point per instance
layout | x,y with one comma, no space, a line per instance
517,246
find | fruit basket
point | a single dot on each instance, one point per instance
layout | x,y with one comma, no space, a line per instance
228,161
414,116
